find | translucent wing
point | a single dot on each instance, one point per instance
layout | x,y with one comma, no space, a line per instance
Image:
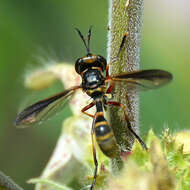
142,80
43,109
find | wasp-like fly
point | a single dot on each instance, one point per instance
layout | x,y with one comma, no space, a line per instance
97,83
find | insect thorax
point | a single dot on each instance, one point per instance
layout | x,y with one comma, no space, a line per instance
93,83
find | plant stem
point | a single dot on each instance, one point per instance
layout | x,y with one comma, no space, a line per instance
6,183
124,16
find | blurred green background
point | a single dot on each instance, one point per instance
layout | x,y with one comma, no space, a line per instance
45,28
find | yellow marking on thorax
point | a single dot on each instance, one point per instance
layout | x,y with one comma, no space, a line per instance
97,68
99,89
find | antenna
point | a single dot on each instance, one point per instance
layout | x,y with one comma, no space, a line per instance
84,41
89,35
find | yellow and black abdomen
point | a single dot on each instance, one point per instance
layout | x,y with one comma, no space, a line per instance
104,134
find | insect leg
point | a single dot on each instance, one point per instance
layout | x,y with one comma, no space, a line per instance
109,90
122,43
128,122
107,70
86,108
94,154
120,48
128,104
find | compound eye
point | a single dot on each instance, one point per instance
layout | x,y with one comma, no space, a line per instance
103,61
78,65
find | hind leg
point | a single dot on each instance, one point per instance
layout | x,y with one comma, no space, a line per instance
94,154
118,104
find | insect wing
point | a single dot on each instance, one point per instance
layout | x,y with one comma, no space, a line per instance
43,109
142,80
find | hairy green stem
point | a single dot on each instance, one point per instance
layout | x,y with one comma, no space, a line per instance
124,16
8,184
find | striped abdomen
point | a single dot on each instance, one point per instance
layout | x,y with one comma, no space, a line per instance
104,133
